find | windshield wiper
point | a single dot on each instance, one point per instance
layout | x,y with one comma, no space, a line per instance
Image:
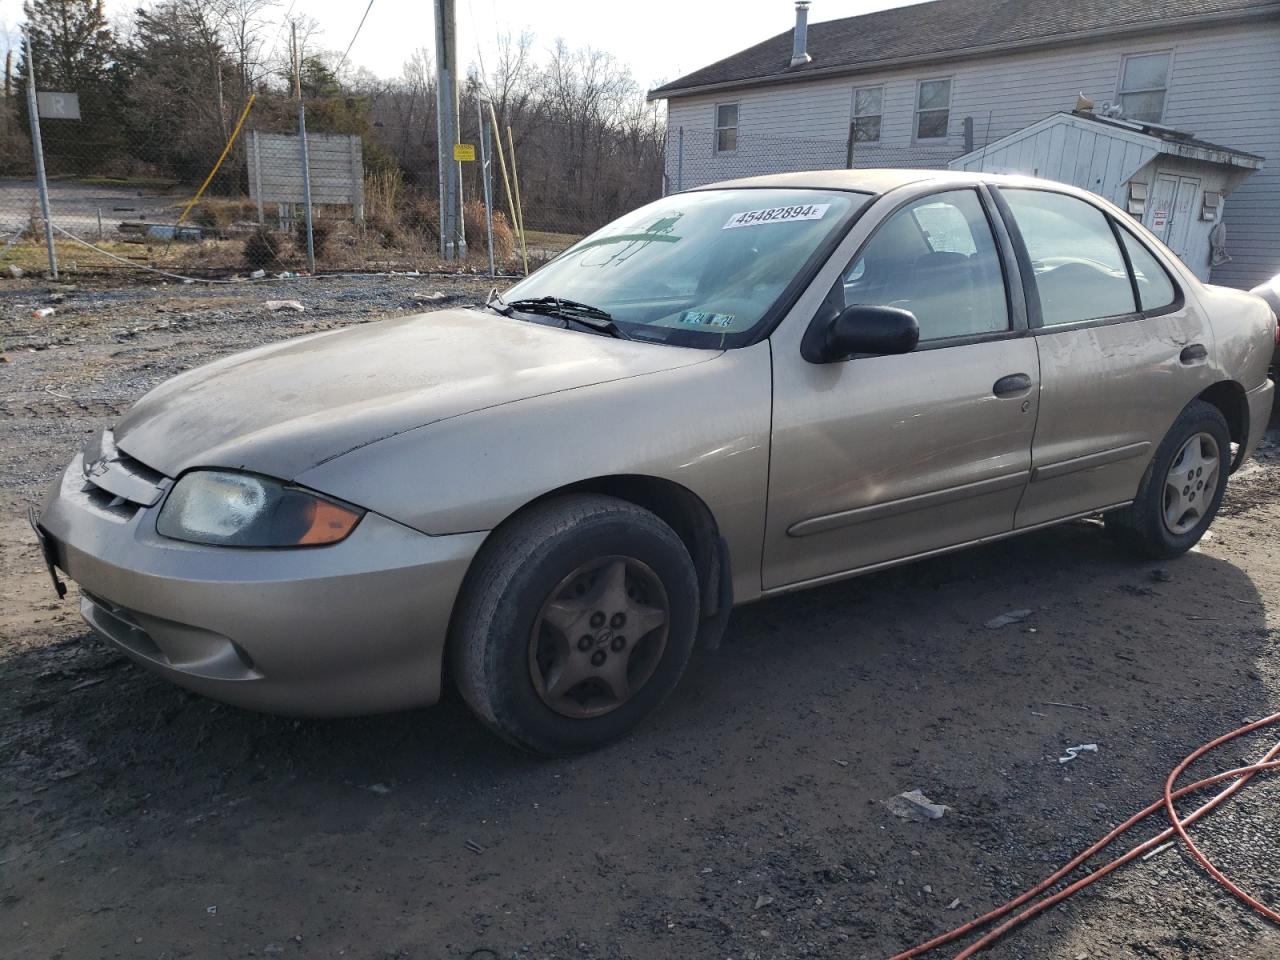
571,311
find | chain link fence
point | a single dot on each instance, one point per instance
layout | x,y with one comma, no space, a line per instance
143,197
125,198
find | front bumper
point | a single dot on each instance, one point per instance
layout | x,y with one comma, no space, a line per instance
356,627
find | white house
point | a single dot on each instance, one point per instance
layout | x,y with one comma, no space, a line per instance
961,81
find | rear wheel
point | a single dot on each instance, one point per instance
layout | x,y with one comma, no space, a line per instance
575,623
1182,489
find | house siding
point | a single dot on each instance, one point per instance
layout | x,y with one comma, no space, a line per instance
1224,86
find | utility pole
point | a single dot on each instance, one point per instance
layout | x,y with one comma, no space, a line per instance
42,185
447,126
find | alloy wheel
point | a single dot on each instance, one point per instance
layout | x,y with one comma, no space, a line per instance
1191,483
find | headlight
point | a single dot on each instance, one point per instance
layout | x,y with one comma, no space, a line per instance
243,510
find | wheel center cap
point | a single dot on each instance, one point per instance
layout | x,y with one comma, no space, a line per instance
604,637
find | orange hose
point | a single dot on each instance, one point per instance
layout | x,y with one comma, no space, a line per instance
1241,775
1214,872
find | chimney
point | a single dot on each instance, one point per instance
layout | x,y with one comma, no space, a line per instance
799,49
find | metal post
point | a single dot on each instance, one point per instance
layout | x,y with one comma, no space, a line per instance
257,175
447,119
306,185
306,160
99,224
462,206
42,185
680,162
666,156
486,181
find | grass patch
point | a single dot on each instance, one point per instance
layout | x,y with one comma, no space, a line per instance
549,240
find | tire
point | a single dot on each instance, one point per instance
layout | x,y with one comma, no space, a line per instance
546,571
1144,526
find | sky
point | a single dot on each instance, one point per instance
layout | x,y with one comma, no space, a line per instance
658,39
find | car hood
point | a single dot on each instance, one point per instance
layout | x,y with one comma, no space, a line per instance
286,407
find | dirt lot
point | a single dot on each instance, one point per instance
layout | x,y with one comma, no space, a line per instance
744,822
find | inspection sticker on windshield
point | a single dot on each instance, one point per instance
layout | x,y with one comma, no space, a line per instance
702,318
798,211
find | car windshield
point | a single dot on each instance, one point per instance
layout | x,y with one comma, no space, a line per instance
703,269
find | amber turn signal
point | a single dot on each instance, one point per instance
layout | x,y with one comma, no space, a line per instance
327,523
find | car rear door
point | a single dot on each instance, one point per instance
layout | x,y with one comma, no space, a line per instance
1121,351
881,458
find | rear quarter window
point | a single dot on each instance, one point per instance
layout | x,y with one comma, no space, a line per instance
1155,288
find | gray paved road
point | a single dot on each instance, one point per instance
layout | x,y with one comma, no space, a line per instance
76,206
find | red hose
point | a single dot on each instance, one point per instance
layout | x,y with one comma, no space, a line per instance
1214,872
1241,775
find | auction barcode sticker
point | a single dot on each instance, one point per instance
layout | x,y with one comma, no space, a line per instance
799,211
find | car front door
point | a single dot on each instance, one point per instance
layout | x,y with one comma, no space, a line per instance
881,458
1121,349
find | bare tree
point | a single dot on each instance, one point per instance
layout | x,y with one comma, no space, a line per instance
243,25
204,21
507,86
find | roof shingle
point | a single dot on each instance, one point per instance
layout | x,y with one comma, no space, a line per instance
947,27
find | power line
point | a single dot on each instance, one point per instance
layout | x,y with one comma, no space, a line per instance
353,38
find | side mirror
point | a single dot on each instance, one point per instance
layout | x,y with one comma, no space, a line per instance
878,331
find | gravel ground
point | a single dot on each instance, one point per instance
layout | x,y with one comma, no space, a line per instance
746,821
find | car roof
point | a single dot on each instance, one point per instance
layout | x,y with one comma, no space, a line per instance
877,180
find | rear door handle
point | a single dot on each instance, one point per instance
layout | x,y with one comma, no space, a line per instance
1192,353
1012,385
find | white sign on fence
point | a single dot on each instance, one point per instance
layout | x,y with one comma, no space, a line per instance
275,170
58,106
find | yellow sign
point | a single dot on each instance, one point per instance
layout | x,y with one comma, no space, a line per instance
464,151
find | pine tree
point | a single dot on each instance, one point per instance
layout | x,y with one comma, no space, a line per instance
71,41
73,51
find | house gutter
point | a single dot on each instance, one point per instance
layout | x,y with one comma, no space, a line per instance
967,53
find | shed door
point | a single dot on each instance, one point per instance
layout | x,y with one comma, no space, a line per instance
1162,206
1171,211
1183,206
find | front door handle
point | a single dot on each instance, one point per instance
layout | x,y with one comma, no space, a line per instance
1192,353
1011,386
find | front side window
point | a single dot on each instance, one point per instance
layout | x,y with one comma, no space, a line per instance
1079,270
937,258
1144,80
700,269
867,108
1155,289
726,127
933,108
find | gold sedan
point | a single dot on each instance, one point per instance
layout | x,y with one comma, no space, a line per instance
733,392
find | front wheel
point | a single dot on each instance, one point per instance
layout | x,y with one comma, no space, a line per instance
1182,489
575,623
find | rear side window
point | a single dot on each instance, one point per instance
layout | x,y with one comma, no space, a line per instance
1079,270
937,258
1155,289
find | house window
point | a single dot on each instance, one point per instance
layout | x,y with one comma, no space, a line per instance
867,102
933,108
1144,80
726,127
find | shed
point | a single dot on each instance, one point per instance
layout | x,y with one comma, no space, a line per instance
1172,182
